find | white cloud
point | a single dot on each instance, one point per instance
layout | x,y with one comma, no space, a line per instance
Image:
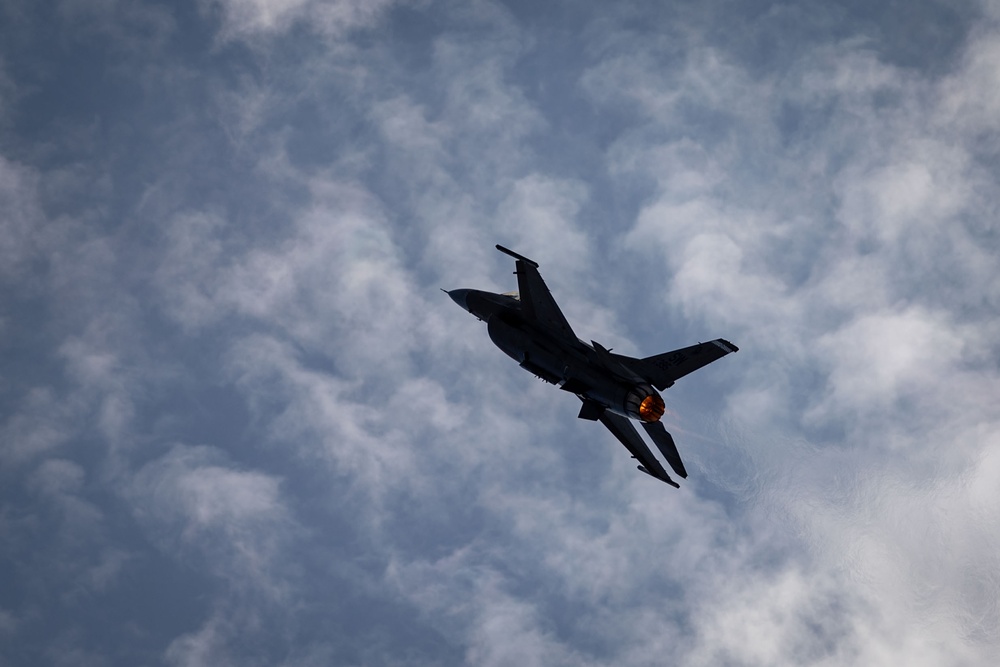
247,19
58,477
873,312
41,423
234,522
833,215
8,623
207,646
134,25
339,273
22,219
541,212
968,97
475,609
886,357
188,275
768,619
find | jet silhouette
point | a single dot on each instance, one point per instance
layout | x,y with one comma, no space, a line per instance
529,327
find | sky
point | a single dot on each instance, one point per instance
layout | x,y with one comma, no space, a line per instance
241,425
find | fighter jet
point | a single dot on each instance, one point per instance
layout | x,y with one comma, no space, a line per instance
529,327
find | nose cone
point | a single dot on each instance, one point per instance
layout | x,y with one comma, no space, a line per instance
460,296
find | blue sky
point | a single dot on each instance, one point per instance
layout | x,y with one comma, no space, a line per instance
241,425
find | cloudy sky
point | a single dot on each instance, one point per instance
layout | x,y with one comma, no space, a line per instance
241,425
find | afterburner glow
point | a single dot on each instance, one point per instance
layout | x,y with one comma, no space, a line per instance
651,408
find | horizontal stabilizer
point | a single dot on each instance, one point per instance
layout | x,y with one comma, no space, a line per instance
665,442
622,429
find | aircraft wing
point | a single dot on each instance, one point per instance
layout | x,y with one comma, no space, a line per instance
623,430
662,370
537,303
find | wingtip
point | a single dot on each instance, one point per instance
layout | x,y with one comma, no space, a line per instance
508,251
725,345
665,478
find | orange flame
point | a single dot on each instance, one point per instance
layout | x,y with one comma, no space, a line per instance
651,408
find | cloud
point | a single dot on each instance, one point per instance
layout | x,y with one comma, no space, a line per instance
247,397
131,26
41,423
22,219
188,269
248,19
204,647
233,521
8,623
496,627
870,306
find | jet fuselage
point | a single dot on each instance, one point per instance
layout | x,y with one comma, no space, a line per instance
575,366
